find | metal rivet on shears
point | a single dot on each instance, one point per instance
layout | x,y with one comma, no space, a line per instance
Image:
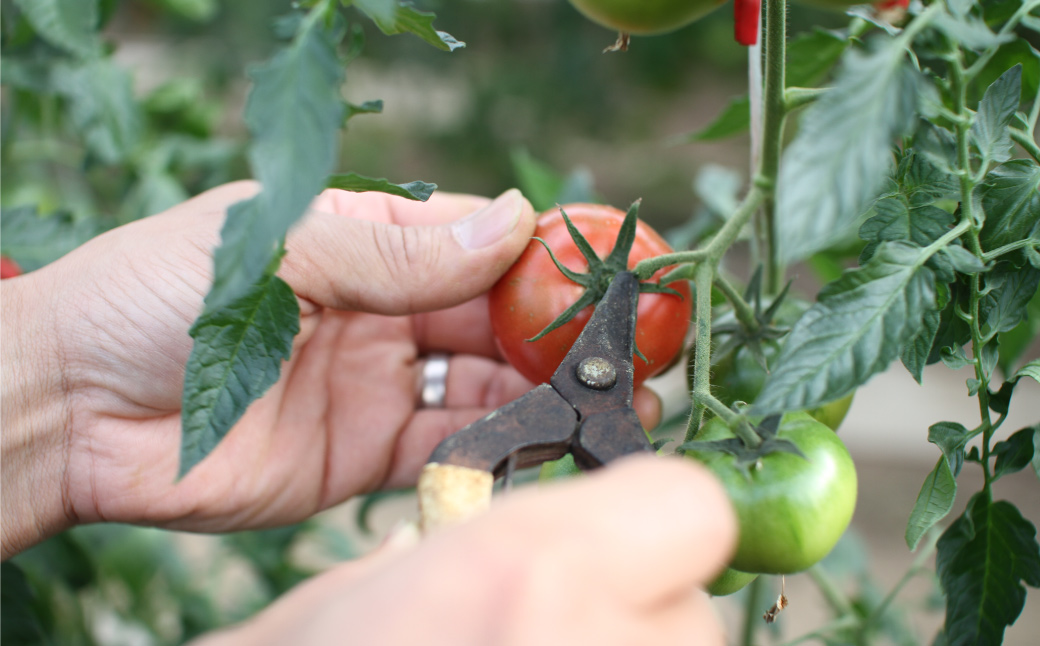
597,373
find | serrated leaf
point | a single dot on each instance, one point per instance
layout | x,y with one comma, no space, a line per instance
1009,291
1011,201
896,221
858,325
101,106
293,112
970,32
951,438
407,19
838,161
939,146
989,132
417,190
236,357
915,353
963,260
1014,453
33,240
70,25
983,559
934,502
922,182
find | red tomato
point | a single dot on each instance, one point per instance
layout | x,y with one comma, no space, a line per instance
9,268
534,292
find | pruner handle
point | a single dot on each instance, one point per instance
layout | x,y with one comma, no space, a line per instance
450,494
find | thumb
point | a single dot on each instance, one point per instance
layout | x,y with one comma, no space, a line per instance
405,265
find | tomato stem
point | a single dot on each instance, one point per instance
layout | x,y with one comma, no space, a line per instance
744,312
774,114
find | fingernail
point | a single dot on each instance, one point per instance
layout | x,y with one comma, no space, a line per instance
490,224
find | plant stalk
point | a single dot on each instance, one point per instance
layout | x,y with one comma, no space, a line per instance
775,109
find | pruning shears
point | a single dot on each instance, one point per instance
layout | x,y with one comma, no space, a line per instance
585,409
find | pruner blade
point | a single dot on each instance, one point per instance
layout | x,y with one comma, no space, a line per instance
585,409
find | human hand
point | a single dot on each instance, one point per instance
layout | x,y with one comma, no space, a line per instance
97,342
619,557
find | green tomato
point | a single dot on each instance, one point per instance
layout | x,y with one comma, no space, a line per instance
559,469
730,581
791,510
645,17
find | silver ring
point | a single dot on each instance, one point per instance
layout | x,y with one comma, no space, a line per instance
434,385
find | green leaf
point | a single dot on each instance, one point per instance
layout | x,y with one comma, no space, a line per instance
1015,453
101,106
237,356
970,32
1036,451
963,260
368,107
33,240
951,438
70,25
989,132
733,120
1008,292
1014,343
293,112
420,191
934,502
538,181
858,325
1016,52
896,221
1011,202
407,19
983,559
197,10
811,55
916,352
20,622
839,159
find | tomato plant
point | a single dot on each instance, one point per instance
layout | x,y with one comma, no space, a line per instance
792,509
645,17
533,293
738,376
898,161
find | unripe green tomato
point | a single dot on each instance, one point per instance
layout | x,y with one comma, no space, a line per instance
645,17
558,469
730,581
791,510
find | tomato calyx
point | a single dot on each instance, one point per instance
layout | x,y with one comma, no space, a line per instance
601,270
748,455
760,329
